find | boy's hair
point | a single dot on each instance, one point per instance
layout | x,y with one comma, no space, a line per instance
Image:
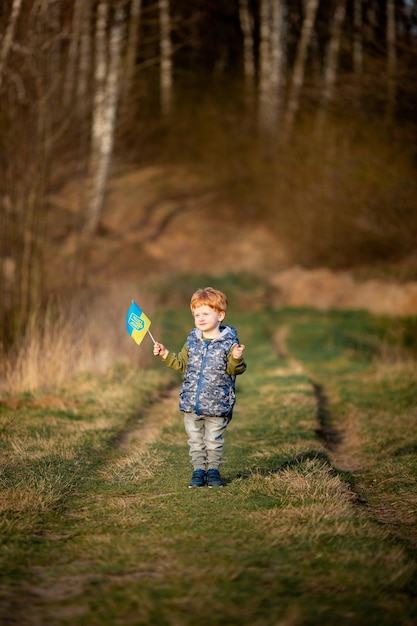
208,296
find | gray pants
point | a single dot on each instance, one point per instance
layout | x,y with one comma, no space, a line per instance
205,439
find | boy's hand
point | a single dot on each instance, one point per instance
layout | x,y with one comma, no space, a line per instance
238,351
160,350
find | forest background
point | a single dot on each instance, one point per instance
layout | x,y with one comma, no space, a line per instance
265,147
143,138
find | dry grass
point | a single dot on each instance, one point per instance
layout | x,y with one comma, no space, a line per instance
400,367
87,335
36,492
314,481
355,202
137,465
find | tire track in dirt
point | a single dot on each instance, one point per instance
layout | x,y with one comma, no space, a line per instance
344,450
335,441
151,422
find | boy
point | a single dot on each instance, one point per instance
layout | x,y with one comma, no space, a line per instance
210,359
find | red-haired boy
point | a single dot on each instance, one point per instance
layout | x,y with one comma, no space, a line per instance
210,359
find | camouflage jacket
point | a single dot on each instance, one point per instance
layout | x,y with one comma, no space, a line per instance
210,373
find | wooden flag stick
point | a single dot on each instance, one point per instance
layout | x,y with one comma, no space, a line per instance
151,336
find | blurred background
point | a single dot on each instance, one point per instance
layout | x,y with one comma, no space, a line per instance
146,139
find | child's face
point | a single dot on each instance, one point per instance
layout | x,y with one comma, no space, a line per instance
207,319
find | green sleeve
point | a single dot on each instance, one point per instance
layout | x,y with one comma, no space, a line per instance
235,366
177,362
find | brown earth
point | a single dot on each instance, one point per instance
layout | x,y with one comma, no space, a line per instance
169,220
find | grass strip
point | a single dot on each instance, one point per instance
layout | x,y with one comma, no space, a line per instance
287,541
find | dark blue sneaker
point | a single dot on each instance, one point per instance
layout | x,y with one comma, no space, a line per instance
198,479
214,478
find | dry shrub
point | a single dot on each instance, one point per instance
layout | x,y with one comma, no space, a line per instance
85,335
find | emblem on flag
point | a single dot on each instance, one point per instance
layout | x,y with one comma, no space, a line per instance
137,323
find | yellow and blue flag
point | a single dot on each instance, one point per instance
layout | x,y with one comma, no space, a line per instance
137,323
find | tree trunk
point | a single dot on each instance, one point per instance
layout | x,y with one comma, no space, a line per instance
357,38
73,53
108,86
84,63
271,56
131,49
391,61
246,25
166,56
330,67
277,56
100,76
8,37
297,79
27,140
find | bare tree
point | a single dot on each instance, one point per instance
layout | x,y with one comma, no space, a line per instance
271,61
107,84
297,78
84,64
8,37
73,52
264,69
29,130
277,55
246,25
330,66
357,38
131,48
166,56
391,60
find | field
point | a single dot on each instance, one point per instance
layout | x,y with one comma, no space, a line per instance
316,523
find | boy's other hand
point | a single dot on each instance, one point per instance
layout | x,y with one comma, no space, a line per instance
238,351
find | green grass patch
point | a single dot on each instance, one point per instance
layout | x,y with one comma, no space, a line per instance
98,525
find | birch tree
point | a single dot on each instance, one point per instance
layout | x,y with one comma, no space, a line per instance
277,55
166,56
330,66
271,61
107,87
265,121
297,77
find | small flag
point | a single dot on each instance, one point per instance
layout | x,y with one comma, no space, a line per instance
137,323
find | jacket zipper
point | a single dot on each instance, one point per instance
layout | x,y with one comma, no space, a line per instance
203,362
